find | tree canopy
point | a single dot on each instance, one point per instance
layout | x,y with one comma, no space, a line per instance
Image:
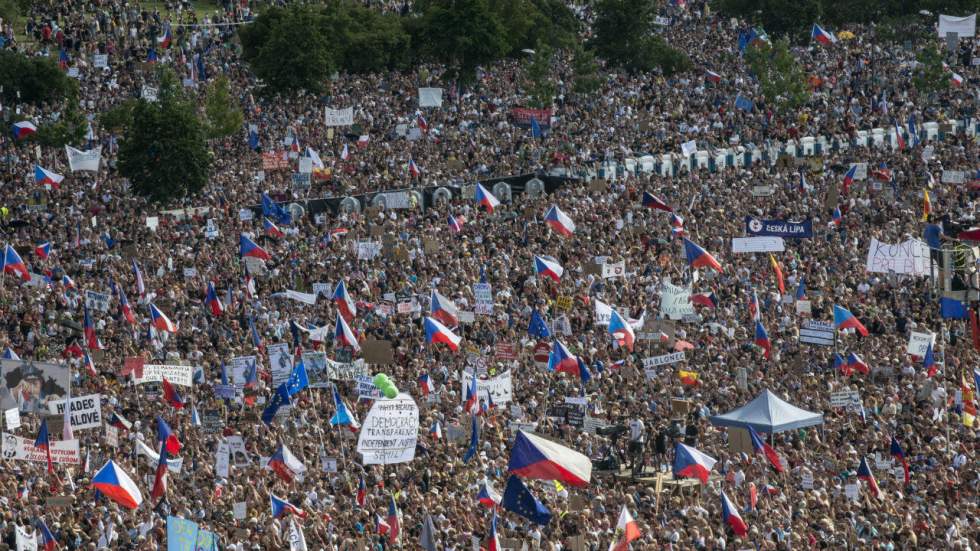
625,36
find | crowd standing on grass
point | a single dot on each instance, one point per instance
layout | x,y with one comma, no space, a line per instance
100,241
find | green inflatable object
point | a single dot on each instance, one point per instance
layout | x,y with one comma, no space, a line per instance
385,385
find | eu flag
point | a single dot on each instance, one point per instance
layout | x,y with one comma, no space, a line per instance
538,328
279,399
297,379
950,308
518,499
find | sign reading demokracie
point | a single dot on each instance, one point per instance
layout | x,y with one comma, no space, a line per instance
778,228
389,433
86,411
182,375
22,449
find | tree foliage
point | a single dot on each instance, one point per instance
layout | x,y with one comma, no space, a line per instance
70,127
223,111
538,80
364,40
164,151
930,75
288,49
780,76
625,37
585,79
38,79
464,34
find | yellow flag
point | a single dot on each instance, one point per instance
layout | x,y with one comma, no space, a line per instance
926,205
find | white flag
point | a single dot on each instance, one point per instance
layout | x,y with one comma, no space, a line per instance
79,160
26,541
689,148
297,542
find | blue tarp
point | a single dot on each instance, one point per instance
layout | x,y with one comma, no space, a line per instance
768,413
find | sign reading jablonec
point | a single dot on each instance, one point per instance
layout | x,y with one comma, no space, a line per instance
390,431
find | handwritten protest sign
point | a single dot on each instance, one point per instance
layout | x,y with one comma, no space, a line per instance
86,411
500,388
909,257
176,374
22,449
675,301
390,431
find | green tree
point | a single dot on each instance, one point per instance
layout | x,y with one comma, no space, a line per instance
930,76
365,40
37,79
585,70
624,36
538,81
464,34
287,49
119,117
223,111
526,23
163,150
780,76
70,127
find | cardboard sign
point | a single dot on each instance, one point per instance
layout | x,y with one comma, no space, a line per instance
739,441
378,352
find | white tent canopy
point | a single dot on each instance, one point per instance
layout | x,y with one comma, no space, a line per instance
768,413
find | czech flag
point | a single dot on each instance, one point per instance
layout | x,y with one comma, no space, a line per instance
760,445
471,404
9,354
534,457
486,199
954,79
160,480
820,35
436,332
91,341
436,431
899,140
160,321
140,286
754,312
456,223
487,496
854,362
493,541
864,473
698,257
281,507
394,520
116,485
213,302
691,463
929,362
170,395
708,300
124,307
651,201
778,273
844,319
165,38
361,497
343,334
248,248
561,359
413,169
45,177
548,267
23,129
14,264
443,309
271,229
43,442
167,436
49,543
285,464
559,221
836,218
840,364
849,177
425,384
676,221
421,122
762,340
342,416
898,453
345,304
730,516
345,153
626,531
120,422
621,330
712,76
43,250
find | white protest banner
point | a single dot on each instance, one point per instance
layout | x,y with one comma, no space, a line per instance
22,449
367,250
305,298
322,289
689,148
328,464
919,343
239,510
222,460
366,388
390,431
483,294
817,332
617,269
675,302
174,464
86,411
112,436
760,244
500,388
603,313
845,398
96,301
665,359
84,161
280,363
954,177
240,367
338,117
100,61
807,480
964,27
861,172
25,538
910,257
176,374
149,93
852,491
577,400
12,417
430,97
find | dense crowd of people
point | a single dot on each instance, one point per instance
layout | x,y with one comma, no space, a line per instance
99,231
